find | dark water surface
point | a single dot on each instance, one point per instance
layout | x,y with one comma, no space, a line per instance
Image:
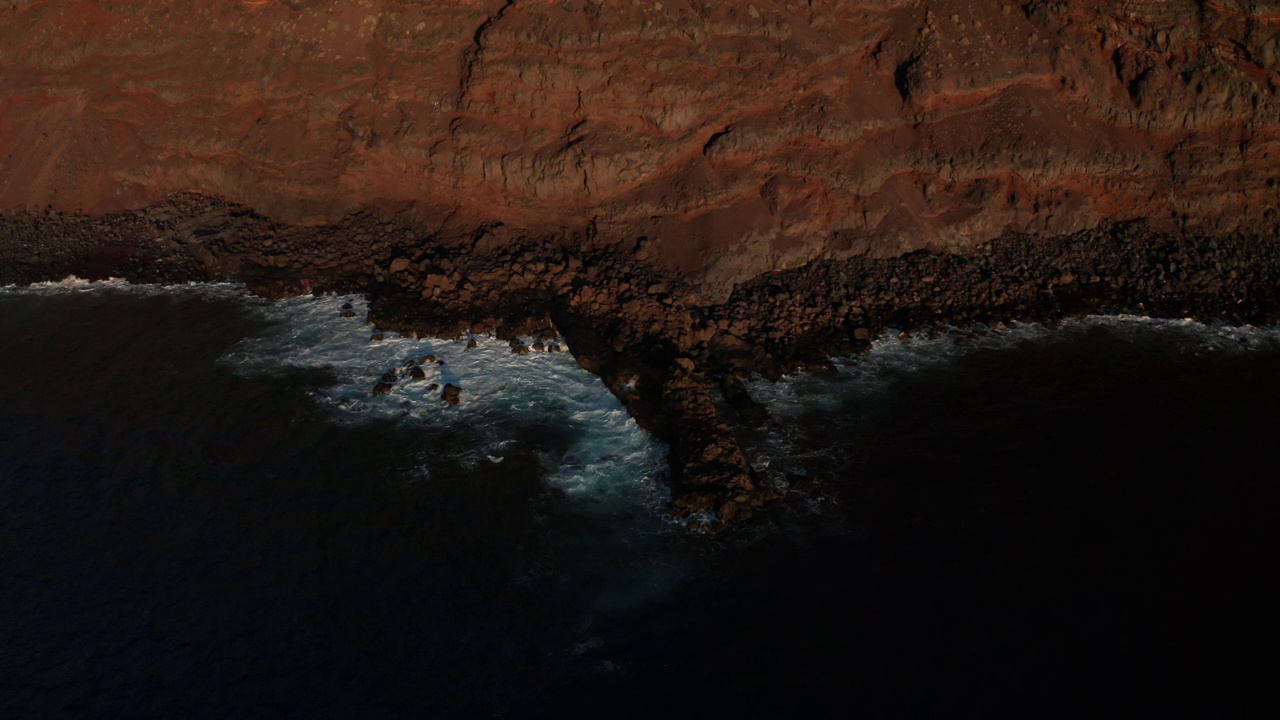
1055,521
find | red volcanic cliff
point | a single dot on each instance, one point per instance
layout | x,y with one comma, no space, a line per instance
734,137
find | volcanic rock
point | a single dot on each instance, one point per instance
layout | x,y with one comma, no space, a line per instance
715,140
736,394
452,394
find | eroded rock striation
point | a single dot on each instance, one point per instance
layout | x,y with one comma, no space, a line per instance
688,191
733,137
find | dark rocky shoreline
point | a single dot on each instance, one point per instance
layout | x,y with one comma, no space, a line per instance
673,358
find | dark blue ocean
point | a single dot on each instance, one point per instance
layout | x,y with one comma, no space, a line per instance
205,513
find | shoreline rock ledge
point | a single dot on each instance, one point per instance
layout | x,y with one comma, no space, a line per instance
691,192
672,357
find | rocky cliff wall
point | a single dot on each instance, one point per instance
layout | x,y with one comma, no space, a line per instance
716,139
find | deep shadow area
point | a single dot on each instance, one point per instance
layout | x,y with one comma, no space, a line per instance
182,541
1083,523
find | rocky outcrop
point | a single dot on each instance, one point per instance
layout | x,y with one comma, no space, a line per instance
715,140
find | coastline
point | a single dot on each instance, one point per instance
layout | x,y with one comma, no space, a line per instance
674,359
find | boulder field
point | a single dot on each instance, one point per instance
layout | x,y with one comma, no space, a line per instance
689,192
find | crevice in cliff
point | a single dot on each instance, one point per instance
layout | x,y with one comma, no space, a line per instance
905,76
715,137
471,56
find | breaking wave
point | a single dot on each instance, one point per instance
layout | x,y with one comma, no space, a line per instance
602,461
859,386
536,415
607,465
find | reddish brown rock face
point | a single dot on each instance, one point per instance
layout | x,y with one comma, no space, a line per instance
735,137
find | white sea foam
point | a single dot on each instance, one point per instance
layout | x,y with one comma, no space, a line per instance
859,384
71,282
611,465
72,285
611,528
893,354
611,475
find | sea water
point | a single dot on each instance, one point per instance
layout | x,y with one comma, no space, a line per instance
204,511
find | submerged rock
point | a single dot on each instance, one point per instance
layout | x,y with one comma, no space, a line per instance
736,394
452,394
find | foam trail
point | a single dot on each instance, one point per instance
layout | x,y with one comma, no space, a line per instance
610,476
76,285
610,466
892,354
860,383
603,521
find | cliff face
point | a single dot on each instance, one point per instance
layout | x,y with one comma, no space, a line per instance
717,139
